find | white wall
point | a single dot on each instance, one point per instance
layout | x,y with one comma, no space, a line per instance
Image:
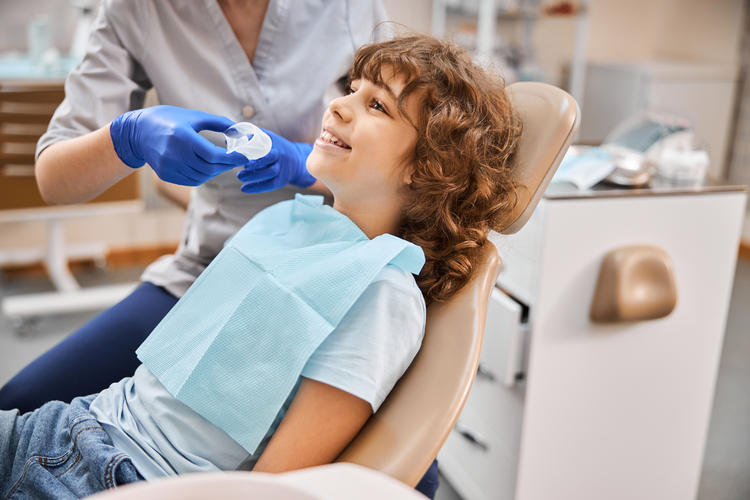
415,14
652,29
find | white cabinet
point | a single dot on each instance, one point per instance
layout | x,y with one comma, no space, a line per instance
606,411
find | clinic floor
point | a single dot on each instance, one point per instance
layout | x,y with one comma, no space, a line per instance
726,469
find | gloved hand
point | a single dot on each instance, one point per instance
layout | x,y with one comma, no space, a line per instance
284,164
166,137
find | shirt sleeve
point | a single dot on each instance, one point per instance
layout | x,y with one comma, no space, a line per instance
376,340
109,80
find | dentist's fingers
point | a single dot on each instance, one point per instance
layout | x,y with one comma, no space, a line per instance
183,178
262,186
211,153
260,174
271,158
200,120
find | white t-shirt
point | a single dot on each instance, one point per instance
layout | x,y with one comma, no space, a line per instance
365,356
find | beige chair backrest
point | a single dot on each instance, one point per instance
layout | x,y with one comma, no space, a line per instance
550,123
406,433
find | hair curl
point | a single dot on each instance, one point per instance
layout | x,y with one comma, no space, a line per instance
461,184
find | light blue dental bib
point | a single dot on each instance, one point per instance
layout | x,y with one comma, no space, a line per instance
235,344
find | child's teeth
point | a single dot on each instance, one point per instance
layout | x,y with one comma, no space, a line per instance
330,138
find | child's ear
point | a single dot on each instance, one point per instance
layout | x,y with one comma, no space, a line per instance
406,172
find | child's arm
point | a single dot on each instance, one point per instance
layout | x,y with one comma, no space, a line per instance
321,421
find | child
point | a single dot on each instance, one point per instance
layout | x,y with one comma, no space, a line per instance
280,352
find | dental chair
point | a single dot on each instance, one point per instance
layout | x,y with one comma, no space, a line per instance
403,438
405,435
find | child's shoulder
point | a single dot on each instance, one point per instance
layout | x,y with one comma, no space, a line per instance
398,282
396,275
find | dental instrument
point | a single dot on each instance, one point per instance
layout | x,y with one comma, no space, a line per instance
247,139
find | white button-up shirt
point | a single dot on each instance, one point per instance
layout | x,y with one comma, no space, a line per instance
187,51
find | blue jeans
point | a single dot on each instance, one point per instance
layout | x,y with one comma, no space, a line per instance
59,451
102,352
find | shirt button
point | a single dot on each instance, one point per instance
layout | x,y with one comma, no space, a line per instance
248,111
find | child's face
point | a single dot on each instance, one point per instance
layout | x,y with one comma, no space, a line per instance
369,165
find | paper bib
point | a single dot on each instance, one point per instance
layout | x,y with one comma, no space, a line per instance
235,344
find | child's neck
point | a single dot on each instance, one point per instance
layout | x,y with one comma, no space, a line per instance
372,220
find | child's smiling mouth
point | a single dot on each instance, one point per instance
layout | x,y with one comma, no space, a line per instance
331,138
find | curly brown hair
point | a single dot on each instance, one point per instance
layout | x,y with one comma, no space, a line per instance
461,185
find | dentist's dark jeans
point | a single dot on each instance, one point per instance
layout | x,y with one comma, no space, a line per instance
102,352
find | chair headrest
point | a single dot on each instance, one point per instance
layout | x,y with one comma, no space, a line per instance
550,118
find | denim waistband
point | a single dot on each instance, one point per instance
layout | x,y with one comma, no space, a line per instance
97,451
60,451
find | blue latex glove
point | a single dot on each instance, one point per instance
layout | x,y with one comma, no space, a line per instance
284,164
166,137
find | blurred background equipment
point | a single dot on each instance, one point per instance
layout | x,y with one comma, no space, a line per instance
84,17
617,90
26,108
31,89
651,142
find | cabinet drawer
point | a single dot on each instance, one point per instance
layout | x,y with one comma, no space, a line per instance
502,348
480,470
497,409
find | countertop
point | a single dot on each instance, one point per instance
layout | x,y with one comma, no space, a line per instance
657,187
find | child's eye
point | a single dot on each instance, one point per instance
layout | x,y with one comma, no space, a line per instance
377,105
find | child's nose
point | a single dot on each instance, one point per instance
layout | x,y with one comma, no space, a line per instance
339,107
